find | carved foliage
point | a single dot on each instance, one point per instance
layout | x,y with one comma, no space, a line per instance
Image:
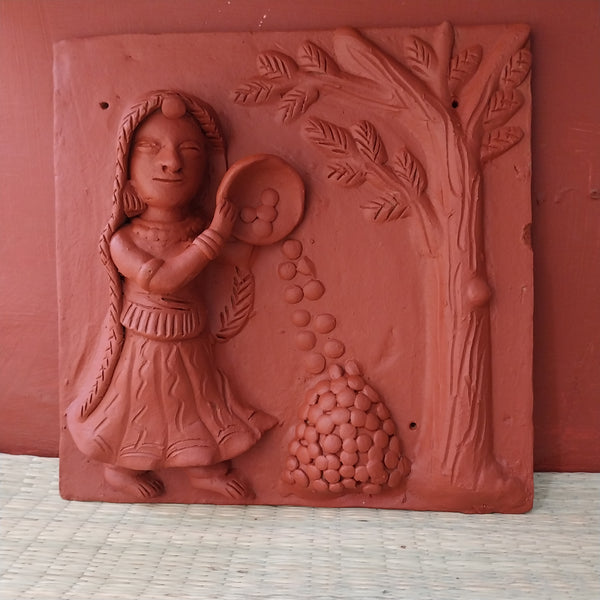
287,81
503,104
364,71
361,154
275,65
462,67
369,142
346,173
499,141
516,69
313,59
330,137
255,91
419,55
408,168
296,102
236,313
387,207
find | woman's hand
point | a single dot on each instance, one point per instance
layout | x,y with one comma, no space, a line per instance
224,218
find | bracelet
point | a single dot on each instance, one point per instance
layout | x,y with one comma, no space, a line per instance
210,242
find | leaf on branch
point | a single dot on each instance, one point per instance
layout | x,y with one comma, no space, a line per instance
314,59
503,105
330,137
346,174
406,167
296,102
256,91
235,315
499,141
420,56
385,209
369,142
516,69
274,65
463,66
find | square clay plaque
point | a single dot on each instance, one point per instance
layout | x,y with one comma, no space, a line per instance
295,268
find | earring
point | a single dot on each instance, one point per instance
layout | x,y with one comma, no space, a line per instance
132,203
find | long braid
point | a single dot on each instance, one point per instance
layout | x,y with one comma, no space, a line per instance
205,116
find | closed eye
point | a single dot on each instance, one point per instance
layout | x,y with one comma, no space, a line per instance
146,145
191,146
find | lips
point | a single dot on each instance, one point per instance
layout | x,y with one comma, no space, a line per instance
166,180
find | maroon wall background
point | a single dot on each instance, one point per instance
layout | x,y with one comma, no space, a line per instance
566,189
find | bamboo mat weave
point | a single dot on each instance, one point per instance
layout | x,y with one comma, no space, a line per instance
59,550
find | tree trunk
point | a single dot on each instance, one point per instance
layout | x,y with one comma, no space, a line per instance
458,410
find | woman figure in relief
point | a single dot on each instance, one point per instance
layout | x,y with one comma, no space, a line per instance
159,400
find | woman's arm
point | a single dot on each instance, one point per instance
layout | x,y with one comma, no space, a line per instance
166,276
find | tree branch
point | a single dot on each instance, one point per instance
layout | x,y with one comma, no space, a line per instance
359,55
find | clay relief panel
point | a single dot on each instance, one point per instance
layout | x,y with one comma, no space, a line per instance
313,269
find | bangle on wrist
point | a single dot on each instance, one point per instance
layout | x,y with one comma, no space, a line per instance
210,242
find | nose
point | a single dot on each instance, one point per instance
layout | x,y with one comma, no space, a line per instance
170,159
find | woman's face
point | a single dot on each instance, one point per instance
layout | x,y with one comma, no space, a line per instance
167,161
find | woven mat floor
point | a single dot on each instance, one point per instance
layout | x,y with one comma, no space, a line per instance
53,549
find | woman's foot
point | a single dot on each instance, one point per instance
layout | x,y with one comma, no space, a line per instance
217,478
139,484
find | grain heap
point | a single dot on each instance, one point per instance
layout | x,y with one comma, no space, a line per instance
347,440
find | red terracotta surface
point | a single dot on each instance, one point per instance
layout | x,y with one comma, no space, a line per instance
364,360
566,92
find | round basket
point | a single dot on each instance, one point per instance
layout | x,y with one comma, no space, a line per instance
269,195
